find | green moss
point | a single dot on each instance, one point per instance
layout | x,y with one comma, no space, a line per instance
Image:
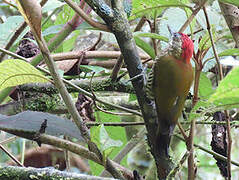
44,103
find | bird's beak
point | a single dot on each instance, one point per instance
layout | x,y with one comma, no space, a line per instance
174,35
170,30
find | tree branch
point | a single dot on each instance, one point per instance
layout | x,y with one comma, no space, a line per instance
14,172
90,55
118,23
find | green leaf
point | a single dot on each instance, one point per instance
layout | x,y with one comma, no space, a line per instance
229,52
205,86
15,72
65,15
101,138
114,132
150,35
51,5
85,26
95,131
132,97
145,46
234,2
150,6
96,69
227,92
69,44
8,28
54,29
105,140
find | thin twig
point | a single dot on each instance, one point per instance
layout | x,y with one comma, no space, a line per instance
11,156
140,24
213,44
66,156
194,13
190,147
172,174
195,32
8,140
229,138
10,4
191,164
121,124
117,67
182,131
152,30
93,47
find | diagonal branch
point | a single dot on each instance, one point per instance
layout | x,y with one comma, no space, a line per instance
119,25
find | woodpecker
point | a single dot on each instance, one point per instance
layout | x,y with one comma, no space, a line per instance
168,85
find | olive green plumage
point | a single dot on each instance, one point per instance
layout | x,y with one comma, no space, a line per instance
168,84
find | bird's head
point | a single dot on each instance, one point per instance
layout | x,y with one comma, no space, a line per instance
181,46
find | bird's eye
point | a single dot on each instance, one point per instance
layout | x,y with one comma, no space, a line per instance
176,36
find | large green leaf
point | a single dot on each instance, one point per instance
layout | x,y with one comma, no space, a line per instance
205,86
145,46
150,35
150,6
114,132
15,72
225,97
227,93
54,29
29,123
8,28
229,52
104,141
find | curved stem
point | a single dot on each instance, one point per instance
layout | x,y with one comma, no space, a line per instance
86,17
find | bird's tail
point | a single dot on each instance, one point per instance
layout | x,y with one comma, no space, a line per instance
163,140
164,163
